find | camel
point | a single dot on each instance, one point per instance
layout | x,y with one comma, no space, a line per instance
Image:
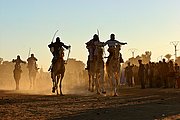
57,73
32,75
113,68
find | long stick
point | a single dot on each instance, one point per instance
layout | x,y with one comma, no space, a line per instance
54,35
103,47
29,52
98,32
68,54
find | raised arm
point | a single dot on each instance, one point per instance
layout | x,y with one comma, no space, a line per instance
22,61
107,42
50,45
13,60
121,43
65,46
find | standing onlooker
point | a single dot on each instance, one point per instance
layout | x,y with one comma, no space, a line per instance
141,74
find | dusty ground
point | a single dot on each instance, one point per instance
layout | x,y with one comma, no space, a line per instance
131,104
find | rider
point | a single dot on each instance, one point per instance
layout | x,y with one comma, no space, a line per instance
18,61
112,44
90,45
56,48
32,60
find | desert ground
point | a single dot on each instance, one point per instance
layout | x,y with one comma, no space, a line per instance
130,104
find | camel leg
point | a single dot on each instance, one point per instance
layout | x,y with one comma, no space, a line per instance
53,88
53,80
56,84
97,83
30,82
60,85
89,83
109,81
110,84
114,85
17,84
17,77
34,82
93,82
102,81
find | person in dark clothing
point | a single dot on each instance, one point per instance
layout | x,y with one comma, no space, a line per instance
32,62
90,45
141,74
151,74
56,48
17,70
129,74
164,73
18,61
112,44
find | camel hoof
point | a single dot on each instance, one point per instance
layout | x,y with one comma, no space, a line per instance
61,94
115,95
53,90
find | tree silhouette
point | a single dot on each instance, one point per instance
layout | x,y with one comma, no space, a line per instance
146,57
168,56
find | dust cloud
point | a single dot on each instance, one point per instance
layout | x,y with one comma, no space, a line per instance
75,80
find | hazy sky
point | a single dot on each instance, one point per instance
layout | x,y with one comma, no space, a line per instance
143,24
